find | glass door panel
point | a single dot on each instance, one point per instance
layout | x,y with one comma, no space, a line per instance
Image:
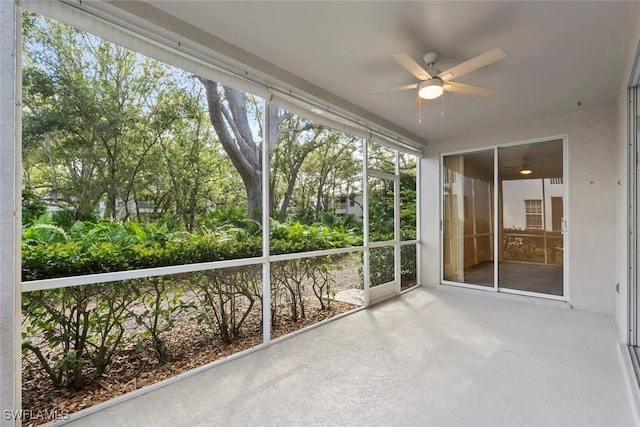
530,193
467,227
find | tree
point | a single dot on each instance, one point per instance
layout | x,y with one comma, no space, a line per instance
93,111
229,114
298,139
335,170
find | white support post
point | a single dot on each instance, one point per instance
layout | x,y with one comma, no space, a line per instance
266,265
365,220
397,267
419,237
10,215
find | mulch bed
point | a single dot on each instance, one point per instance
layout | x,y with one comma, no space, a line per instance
191,345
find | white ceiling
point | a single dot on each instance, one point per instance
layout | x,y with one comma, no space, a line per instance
560,53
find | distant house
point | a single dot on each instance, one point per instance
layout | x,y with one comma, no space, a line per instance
349,205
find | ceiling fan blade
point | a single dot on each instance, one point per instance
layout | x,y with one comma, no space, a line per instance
467,89
411,66
394,89
482,60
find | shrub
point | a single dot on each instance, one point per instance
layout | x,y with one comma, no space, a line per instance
81,328
227,297
155,310
33,206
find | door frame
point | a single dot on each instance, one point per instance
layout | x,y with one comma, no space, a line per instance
565,223
389,289
632,214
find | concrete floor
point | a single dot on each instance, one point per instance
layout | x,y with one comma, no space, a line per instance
433,357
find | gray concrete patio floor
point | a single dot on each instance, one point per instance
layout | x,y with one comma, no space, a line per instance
433,357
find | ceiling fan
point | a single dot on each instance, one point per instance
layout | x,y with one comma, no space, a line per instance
434,82
523,169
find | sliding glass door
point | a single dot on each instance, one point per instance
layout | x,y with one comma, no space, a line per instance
524,184
531,191
467,186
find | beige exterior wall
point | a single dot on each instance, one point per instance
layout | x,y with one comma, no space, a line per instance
592,179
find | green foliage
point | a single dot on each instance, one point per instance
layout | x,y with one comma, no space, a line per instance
81,326
381,265
87,248
32,206
44,234
230,218
226,297
408,212
408,265
529,245
156,309
289,280
289,238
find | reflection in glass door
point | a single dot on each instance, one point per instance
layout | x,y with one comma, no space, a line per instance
526,238
467,226
531,191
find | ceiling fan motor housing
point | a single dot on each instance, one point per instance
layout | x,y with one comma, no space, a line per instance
430,59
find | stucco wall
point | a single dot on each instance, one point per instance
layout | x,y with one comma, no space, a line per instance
591,215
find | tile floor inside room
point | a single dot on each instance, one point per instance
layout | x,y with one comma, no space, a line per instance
432,357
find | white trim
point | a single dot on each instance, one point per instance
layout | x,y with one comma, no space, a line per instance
632,214
496,219
10,211
631,381
409,289
311,254
293,106
566,246
63,282
396,226
383,292
374,173
533,141
468,286
409,242
441,217
380,139
266,226
531,294
382,244
365,221
419,236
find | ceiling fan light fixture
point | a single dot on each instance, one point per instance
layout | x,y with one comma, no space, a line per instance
430,89
525,169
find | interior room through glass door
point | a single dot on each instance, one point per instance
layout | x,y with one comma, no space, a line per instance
531,217
467,212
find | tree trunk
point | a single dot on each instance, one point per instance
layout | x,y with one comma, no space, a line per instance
234,133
